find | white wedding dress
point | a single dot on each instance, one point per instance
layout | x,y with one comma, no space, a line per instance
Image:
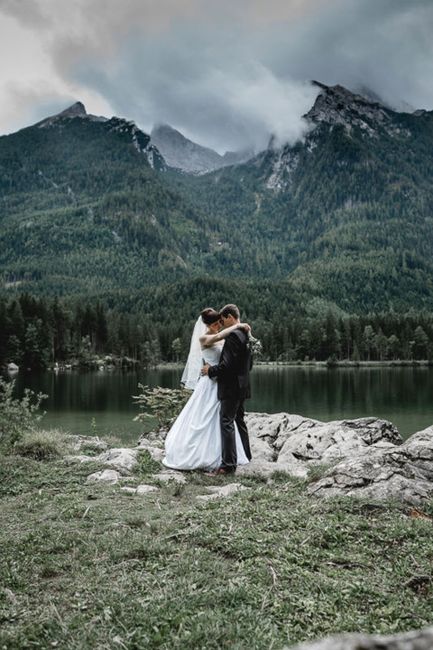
194,440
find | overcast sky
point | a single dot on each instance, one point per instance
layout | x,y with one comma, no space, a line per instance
227,73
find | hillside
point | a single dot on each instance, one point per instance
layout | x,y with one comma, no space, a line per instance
342,219
346,215
85,207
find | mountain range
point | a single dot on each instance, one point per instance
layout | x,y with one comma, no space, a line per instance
341,220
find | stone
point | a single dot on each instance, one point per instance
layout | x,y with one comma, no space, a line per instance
107,475
154,447
258,467
403,472
122,459
218,492
417,640
145,489
170,475
128,489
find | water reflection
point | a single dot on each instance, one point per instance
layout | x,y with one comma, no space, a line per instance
402,395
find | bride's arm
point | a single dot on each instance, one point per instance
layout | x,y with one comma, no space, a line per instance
209,339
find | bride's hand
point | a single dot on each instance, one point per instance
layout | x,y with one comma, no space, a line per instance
245,326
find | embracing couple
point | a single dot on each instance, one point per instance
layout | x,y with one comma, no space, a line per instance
210,432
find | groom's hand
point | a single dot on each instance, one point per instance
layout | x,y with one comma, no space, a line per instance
205,369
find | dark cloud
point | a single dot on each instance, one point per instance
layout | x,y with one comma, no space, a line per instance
27,12
228,74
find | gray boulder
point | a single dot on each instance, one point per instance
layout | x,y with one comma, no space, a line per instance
419,640
404,472
121,459
293,444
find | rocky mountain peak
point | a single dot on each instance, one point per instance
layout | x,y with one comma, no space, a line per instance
166,131
338,105
184,154
188,156
76,110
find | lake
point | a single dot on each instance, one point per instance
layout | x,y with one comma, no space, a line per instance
402,395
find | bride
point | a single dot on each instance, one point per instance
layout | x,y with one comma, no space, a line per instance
194,440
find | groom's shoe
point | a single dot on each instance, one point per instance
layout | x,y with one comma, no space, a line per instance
221,471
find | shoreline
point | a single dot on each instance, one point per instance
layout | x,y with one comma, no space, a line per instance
174,365
346,363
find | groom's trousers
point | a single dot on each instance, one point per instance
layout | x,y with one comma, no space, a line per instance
232,410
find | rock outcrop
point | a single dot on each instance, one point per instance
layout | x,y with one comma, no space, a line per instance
404,473
293,444
419,640
338,105
366,457
122,459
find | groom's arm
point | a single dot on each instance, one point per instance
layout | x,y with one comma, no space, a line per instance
229,355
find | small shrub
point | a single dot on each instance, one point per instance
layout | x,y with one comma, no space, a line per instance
17,415
146,464
160,404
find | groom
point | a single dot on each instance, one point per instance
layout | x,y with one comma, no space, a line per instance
232,374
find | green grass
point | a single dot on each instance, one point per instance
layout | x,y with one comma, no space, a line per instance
43,445
89,566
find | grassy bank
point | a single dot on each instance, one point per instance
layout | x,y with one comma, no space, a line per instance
89,566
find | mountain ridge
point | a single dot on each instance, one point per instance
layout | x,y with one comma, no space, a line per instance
343,216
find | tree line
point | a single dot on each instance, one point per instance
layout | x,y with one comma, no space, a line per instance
36,332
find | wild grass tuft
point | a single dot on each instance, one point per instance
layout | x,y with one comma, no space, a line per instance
42,445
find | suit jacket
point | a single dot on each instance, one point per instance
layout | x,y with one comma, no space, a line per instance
233,370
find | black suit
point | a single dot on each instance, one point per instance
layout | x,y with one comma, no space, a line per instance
233,376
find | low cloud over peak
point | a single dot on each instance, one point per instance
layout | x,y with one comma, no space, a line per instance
225,74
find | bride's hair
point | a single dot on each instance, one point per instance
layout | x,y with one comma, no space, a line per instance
210,316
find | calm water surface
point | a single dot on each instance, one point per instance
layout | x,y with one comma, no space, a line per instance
402,395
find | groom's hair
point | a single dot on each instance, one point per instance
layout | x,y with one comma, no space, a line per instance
230,310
